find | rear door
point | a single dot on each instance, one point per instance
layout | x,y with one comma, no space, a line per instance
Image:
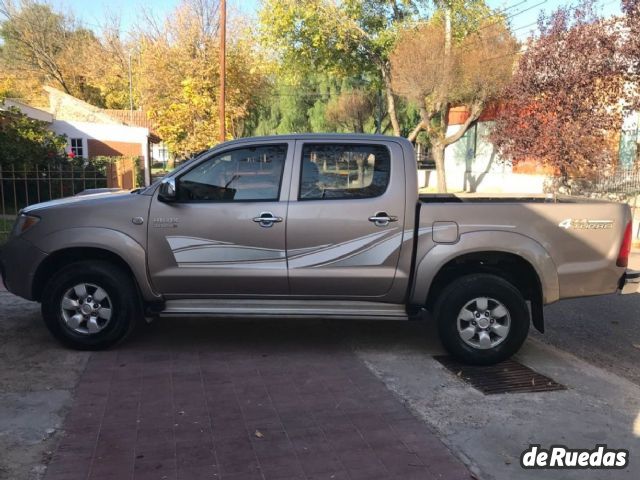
346,218
225,234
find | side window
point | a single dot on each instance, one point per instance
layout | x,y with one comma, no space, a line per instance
245,174
343,171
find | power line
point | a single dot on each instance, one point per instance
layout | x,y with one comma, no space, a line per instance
519,12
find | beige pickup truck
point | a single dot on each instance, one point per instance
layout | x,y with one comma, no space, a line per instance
327,226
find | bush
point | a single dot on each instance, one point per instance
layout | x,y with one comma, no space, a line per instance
25,142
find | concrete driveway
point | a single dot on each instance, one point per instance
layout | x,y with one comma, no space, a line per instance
37,378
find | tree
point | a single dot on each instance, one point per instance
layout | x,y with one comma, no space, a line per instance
24,141
39,41
108,67
631,50
350,110
351,38
568,94
437,69
178,77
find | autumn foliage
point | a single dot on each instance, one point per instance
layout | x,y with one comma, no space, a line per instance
568,94
439,72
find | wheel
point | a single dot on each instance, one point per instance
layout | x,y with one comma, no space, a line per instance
90,305
482,319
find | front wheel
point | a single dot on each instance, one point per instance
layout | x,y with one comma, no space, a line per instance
90,305
482,319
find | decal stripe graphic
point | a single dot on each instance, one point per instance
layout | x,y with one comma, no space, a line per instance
370,250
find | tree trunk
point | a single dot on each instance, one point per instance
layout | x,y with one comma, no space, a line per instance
391,102
437,150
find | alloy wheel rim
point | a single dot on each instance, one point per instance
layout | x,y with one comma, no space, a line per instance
483,323
86,309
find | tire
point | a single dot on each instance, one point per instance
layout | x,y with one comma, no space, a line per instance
499,323
106,319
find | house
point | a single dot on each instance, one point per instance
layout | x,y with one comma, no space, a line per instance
93,132
630,141
473,165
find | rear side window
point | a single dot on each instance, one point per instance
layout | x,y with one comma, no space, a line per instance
245,174
343,171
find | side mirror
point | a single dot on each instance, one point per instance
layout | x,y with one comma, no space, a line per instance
167,191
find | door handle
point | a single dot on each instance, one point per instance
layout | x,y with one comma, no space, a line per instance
266,219
382,219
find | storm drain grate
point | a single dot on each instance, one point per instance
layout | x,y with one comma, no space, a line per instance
505,377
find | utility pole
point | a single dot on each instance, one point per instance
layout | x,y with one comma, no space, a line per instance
223,47
130,87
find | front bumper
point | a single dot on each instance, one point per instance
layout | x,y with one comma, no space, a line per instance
19,260
630,282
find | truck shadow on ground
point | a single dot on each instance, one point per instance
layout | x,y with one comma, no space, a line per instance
294,335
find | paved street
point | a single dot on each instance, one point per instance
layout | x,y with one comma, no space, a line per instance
604,331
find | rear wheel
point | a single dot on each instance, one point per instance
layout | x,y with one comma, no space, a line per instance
90,305
482,319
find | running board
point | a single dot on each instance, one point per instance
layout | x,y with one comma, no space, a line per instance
284,309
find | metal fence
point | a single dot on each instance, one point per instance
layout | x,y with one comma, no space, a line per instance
622,181
24,186
425,161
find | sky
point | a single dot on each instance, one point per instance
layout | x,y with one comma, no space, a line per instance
521,13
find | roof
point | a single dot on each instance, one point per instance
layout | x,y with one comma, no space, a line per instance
309,137
353,137
131,118
134,118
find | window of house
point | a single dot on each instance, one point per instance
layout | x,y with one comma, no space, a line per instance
245,174
343,171
163,153
76,147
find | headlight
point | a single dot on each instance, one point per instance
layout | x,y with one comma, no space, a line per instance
24,223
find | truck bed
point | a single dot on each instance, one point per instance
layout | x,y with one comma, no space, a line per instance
580,237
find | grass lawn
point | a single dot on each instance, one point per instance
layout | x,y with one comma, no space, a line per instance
5,228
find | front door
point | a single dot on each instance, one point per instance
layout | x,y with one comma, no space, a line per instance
225,233
345,223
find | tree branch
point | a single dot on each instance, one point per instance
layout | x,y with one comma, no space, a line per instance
476,111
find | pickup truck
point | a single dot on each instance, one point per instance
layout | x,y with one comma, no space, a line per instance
328,226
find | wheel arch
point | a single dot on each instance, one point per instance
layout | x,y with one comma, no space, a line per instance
511,256
66,256
508,266
67,246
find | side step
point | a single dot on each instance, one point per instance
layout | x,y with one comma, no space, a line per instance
284,309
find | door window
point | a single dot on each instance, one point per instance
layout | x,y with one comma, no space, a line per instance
244,174
343,171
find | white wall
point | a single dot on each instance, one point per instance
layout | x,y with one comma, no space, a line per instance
155,152
98,131
104,132
472,165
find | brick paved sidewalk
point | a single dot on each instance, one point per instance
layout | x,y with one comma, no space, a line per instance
194,399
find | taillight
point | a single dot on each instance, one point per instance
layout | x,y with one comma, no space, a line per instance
625,248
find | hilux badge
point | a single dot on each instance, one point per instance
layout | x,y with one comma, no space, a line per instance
165,222
585,224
